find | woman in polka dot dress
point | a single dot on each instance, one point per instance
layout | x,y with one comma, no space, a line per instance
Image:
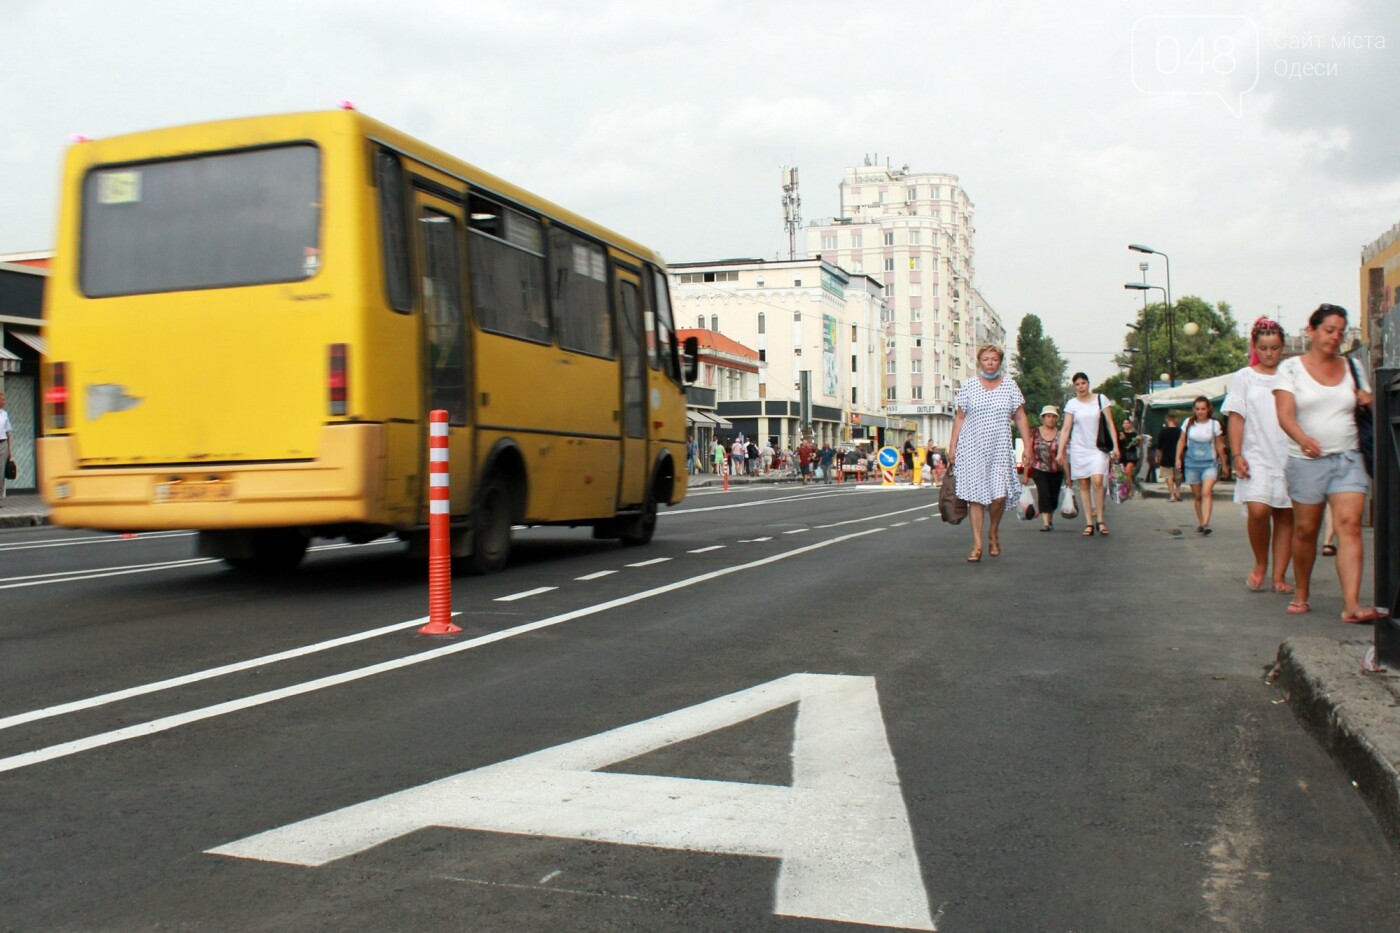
980,450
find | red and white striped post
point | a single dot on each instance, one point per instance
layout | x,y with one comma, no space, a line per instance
439,536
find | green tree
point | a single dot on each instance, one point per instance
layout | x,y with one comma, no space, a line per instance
1215,349
1040,370
1119,392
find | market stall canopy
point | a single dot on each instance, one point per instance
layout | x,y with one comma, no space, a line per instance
1181,396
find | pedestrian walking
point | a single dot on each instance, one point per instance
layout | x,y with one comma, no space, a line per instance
717,456
1130,446
1080,452
738,452
1046,470
980,447
805,455
1317,395
827,458
1261,456
1201,451
1168,465
7,448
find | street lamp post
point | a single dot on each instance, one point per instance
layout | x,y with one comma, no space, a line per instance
1146,352
1171,330
1171,325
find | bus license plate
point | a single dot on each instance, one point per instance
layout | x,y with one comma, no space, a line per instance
194,492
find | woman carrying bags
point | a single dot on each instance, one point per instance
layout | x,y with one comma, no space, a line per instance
1087,451
1046,471
1317,395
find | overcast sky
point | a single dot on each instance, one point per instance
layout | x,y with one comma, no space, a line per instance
1075,128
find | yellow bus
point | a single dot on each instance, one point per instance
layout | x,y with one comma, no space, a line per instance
248,322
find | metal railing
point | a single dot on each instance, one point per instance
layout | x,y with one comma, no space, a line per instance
1386,504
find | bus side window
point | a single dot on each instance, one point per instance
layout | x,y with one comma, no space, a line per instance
393,226
579,289
508,271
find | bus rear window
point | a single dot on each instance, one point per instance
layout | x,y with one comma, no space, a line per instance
211,221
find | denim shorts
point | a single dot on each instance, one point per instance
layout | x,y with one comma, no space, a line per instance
1195,474
1312,480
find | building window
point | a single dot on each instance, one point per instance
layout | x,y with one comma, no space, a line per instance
828,241
797,317
714,322
889,263
913,195
889,237
858,267
853,396
700,322
889,290
891,367
853,362
915,237
762,323
857,241
853,334
916,315
916,393
797,281
891,393
916,365
915,262
763,356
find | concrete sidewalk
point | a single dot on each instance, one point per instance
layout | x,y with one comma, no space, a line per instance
23,511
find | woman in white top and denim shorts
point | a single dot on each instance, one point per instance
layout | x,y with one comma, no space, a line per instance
1317,398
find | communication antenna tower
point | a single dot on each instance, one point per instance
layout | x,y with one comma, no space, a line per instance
792,207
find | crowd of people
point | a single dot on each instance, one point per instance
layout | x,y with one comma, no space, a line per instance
809,461
1290,440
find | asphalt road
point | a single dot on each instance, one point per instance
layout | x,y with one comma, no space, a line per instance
797,709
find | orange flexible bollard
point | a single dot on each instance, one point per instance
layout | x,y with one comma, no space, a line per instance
724,471
439,537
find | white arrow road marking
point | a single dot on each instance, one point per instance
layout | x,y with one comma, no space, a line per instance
841,831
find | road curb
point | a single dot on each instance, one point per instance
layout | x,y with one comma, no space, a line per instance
1351,714
22,520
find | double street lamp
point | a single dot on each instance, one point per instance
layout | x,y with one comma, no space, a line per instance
1171,328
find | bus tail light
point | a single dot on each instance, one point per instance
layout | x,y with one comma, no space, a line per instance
338,379
56,398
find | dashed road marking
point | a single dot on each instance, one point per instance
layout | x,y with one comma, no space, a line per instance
702,550
595,576
648,563
514,596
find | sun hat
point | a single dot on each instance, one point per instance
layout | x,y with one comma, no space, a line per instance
1049,410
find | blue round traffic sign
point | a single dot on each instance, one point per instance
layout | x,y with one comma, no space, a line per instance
889,458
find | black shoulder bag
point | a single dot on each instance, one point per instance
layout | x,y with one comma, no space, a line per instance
1105,438
1365,427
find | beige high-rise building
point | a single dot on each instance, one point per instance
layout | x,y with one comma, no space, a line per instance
812,323
913,231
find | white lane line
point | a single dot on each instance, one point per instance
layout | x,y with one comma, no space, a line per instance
797,531
750,505
595,576
49,712
922,519
514,596
702,550
73,576
753,540
101,539
871,518
899,524
648,563
154,726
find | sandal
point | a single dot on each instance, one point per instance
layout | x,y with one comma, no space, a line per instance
1103,530
1254,587
1284,587
1329,550
975,556
1296,608
1369,614
994,549
1088,531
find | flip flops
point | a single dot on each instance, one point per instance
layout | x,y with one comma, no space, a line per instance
1285,588
1363,616
1296,608
1254,587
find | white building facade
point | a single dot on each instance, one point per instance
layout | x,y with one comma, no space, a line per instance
819,332
913,231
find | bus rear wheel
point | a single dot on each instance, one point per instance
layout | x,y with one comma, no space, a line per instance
491,523
640,530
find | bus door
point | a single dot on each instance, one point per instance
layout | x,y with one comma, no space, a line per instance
632,477
446,372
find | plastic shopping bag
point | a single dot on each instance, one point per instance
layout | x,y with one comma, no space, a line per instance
1119,488
1026,508
1068,507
